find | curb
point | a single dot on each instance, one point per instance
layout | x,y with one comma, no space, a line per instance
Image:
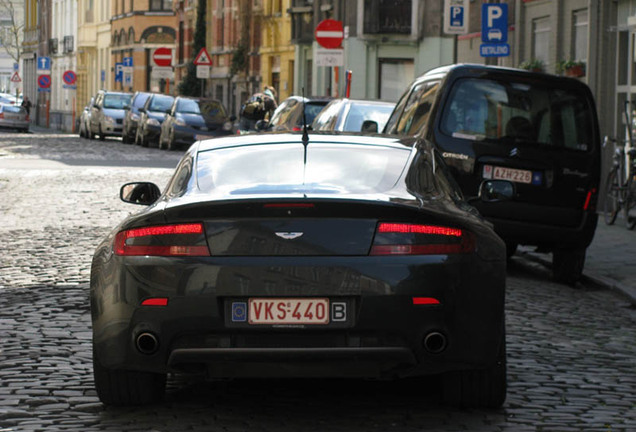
628,293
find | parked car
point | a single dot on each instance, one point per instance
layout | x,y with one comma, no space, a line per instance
349,115
84,119
540,131
289,114
151,116
131,118
191,119
271,256
9,99
14,117
107,114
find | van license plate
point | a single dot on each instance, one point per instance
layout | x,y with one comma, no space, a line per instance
510,174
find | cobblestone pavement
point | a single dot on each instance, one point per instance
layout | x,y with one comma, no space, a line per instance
571,351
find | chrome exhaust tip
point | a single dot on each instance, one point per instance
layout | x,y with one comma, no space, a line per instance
147,343
435,342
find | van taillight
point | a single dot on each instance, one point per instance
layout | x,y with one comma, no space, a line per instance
418,239
163,240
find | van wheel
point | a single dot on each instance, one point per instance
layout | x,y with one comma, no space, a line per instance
125,387
567,264
481,388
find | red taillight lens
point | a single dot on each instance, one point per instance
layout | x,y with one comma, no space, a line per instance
164,240
155,301
418,239
296,129
590,200
1,115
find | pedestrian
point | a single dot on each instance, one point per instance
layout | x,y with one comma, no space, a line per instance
259,106
26,103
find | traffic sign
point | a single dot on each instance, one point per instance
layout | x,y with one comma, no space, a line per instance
128,61
494,22
329,57
16,67
203,72
15,78
69,77
456,16
162,57
203,58
329,33
44,63
119,72
44,83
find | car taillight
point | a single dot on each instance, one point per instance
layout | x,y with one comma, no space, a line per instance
417,239
164,240
1,115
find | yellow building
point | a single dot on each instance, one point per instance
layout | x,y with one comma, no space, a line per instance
138,29
277,51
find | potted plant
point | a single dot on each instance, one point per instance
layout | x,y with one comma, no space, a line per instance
534,65
571,68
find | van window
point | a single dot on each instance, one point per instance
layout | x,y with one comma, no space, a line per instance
518,113
416,110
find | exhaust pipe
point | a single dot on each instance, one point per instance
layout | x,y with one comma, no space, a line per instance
147,343
435,342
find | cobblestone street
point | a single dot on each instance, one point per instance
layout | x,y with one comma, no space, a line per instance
571,351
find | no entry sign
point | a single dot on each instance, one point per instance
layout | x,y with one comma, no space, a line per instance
329,33
162,57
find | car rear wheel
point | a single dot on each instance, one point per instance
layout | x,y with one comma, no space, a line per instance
102,137
171,144
567,264
125,387
481,388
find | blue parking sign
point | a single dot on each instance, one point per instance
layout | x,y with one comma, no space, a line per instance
494,23
119,72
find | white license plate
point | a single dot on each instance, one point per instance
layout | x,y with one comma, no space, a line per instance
510,174
288,311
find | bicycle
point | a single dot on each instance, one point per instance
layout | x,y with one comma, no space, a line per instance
620,186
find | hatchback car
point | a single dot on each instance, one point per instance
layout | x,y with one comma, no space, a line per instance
539,131
107,114
14,117
289,114
131,119
151,116
190,119
350,115
271,255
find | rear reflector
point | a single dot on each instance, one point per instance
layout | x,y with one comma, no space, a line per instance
588,199
159,301
418,239
164,240
425,301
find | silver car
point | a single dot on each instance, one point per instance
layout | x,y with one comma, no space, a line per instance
107,114
14,117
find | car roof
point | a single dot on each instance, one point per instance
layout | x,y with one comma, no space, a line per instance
314,137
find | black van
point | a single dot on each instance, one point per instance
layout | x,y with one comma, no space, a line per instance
539,131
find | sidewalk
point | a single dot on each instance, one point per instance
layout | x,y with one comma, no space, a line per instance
610,259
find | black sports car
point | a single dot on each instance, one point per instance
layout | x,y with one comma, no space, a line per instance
271,255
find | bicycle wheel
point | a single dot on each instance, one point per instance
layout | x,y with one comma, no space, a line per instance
629,204
612,201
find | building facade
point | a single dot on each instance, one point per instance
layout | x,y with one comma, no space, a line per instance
138,29
11,34
277,53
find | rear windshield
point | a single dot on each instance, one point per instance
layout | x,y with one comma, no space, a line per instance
13,109
518,113
279,168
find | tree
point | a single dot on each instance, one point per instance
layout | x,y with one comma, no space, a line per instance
191,85
10,29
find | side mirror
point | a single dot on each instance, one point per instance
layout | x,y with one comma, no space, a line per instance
126,107
142,193
369,126
232,118
497,190
95,106
142,110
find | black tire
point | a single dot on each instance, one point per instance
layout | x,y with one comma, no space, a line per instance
629,206
102,137
481,388
567,264
125,387
612,202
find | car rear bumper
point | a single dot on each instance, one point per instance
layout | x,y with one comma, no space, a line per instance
550,236
385,335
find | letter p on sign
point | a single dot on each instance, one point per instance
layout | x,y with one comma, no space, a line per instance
494,13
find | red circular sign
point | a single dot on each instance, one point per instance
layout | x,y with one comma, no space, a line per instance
162,57
69,77
329,33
